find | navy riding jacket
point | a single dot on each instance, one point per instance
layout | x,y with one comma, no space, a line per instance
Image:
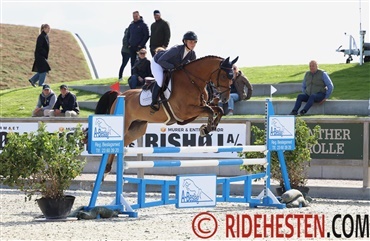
173,57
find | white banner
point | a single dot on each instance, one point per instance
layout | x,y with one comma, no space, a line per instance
160,135
18,127
157,135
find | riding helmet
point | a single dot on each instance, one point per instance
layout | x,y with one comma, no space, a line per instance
190,35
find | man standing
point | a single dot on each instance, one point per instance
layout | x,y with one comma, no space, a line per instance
160,33
138,35
316,87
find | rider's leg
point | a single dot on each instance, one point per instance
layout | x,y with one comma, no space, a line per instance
157,72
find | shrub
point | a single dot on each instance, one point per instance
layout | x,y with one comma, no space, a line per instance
297,160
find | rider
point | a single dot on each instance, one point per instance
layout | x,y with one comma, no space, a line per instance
170,59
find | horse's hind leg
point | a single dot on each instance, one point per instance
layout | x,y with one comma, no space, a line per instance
108,167
136,130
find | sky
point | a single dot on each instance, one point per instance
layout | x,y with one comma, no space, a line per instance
261,33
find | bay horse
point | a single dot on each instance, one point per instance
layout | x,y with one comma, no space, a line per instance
187,101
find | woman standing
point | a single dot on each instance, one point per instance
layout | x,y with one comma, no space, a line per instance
41,65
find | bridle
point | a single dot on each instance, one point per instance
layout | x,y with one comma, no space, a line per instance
208,80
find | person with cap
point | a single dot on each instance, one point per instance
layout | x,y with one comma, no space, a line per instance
41,65
137,35
170,59
140,70
160,33
68,102
45,103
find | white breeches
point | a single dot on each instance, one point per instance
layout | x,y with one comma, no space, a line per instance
157,72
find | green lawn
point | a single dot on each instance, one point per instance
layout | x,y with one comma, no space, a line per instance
351,81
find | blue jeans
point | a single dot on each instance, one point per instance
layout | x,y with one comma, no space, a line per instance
234,97
134,82
39,77
310,99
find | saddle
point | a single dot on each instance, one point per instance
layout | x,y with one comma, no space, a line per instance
149,82
164,95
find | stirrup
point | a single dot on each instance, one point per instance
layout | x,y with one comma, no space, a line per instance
154,107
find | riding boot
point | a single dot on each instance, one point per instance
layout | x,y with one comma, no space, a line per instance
155,92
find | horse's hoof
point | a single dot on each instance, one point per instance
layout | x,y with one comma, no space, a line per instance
203,130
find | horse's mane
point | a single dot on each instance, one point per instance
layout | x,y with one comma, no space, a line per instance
205,57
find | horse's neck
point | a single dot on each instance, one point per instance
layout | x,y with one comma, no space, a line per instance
200,71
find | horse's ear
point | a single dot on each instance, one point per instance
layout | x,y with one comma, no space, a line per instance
226,60
234,61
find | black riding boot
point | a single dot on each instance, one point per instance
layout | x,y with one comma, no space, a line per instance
155,105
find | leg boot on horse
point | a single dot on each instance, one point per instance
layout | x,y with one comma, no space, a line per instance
155,93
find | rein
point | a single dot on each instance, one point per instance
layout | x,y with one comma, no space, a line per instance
189,75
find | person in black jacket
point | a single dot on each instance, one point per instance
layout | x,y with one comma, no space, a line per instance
68,102
160,33
140,71
125,52
138,35
41,65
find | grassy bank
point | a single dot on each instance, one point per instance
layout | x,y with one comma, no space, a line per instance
351,81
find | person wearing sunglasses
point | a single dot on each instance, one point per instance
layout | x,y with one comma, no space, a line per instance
140,70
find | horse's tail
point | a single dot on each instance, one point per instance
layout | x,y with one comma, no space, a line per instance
106,101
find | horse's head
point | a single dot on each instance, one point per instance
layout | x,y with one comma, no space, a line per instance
223,80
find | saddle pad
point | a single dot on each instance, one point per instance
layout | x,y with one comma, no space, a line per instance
146,95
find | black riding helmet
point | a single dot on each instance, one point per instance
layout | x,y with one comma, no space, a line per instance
190,35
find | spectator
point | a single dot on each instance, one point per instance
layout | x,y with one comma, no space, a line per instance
159,49
237,91
68,102
41,65
160,33
316,87
125,52
45,103
140,71
172,58
138,35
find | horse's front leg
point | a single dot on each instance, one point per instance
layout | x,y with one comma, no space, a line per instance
205,129
218,113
